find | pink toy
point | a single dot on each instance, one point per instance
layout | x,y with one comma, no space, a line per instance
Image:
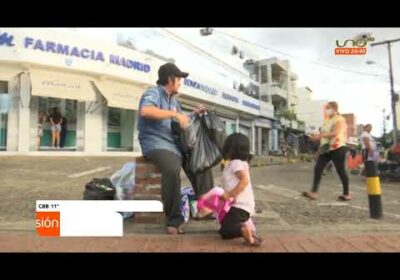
212,200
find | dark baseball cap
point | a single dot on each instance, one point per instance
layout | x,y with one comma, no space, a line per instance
169,69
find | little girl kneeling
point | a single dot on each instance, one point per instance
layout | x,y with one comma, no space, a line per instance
236,222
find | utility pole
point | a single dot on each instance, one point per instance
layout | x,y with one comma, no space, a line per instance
393,95
384,122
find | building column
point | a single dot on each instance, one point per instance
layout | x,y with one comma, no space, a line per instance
80,126
34,115
136,144
104,127
253,138
267,147
269,82
13,115
24,114
93,127
259,141
237,124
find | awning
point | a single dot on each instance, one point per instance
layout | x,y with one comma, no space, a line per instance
8,72
120,95
245,123
262,122
61,85
222,112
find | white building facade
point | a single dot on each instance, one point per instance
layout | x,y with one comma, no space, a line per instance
97,87
308,110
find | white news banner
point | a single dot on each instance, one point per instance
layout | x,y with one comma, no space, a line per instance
87,217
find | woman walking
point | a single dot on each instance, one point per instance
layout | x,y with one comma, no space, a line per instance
332,148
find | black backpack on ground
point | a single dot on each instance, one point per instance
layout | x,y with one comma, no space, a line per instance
99,189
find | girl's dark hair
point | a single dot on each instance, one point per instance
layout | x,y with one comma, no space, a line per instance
237,146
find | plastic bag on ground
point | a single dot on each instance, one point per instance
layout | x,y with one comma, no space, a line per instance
185,210
124,183
99,189
188,190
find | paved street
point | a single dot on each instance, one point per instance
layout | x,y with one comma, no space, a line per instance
287,221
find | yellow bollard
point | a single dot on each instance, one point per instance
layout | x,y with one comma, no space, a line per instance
374,190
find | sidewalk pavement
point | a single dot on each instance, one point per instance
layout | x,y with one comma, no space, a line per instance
373,242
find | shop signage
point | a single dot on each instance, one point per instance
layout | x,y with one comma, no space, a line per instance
250,105
200,86
73,52
84,53
230,97
6,39
263,122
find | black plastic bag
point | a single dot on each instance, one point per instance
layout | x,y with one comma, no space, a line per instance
216,129
191,132
205,153
99,189
196,143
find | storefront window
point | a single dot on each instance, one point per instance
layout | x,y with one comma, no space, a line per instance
114,128
120,129
4,108
68,109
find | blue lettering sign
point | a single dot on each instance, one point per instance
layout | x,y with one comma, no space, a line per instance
62,49
230,97
51,46
28,42
201,87
99,56
128,63
85,53
251,105
114,59
38,45
146,68
6,39
75,52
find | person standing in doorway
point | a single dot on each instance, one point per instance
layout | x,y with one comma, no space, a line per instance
41,122
332,148
63,134
56,121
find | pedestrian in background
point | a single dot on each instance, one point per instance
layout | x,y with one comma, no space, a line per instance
332,148
369,147
56,121
63,134
41,123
